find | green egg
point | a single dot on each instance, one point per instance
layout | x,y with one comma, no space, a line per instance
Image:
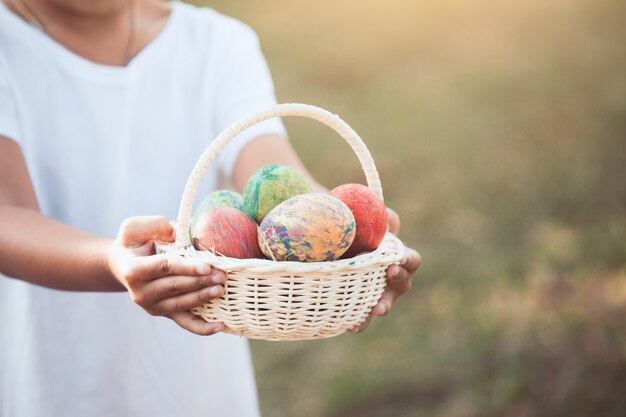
270,186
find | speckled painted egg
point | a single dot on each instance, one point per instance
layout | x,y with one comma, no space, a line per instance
370,216
270,186
307,228
227,231
219,198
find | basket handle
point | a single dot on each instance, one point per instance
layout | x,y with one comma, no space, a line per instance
279,110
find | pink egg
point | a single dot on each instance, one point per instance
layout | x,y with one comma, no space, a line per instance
227,231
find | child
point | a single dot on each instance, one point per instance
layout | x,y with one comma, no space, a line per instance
104,107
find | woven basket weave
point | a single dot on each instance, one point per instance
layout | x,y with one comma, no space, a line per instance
271,300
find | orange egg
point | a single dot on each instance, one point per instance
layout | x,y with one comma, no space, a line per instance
307,228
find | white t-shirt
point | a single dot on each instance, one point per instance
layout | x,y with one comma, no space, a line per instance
103,143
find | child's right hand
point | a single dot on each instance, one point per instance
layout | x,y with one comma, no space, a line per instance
163,285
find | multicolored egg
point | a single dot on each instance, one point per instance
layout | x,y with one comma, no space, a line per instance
227,231
370,216
307,228
270,186
219,198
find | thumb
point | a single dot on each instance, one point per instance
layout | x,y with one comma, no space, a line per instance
136,231
394,221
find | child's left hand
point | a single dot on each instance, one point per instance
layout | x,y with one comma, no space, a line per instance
398,277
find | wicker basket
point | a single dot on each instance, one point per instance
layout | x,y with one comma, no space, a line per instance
272,300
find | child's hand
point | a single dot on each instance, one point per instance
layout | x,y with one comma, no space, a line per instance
163,285
398,277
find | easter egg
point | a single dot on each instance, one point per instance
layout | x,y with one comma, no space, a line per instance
227,231
218,198
307,228
370,216
270,186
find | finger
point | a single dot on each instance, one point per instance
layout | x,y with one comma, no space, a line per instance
136,231
394,221
399,283
195,324
384,304
163,265
361,327
169,286
393,271
412,260
186,302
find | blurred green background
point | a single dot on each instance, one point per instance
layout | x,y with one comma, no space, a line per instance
499,130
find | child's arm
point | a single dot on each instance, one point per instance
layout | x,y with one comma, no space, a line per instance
268,149
43,251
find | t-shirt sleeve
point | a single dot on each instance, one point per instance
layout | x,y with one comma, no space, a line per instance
244,86
8,113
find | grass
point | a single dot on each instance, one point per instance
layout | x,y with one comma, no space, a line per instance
499,130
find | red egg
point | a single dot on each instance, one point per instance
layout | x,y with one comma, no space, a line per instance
370,216
227,231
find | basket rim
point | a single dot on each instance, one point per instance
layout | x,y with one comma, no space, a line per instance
390,250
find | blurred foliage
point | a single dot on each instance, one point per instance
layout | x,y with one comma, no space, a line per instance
499,130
